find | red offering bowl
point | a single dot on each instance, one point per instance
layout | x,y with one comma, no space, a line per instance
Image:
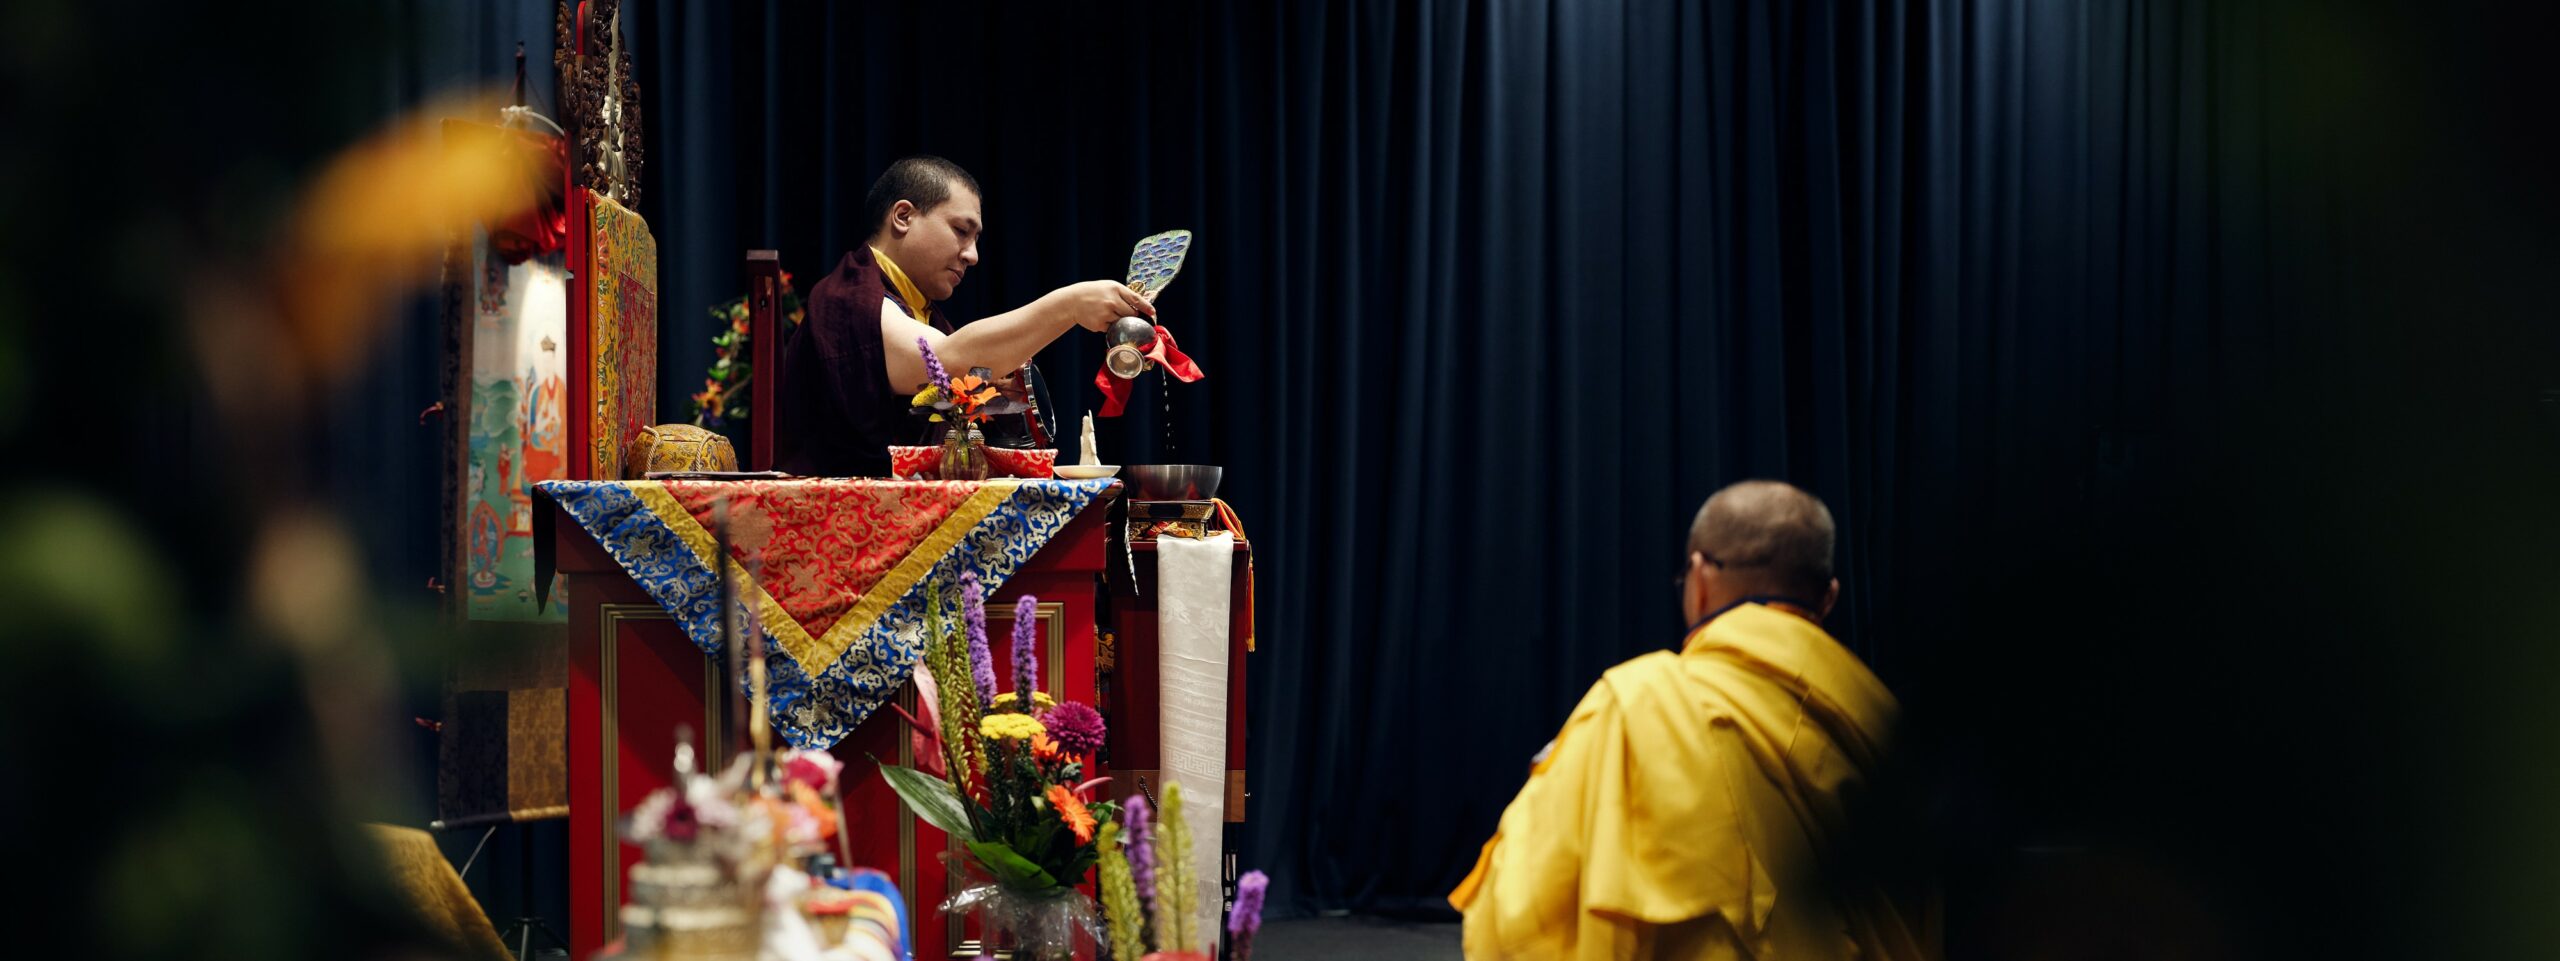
1002,461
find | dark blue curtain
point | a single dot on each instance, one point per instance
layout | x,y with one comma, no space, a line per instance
2063,308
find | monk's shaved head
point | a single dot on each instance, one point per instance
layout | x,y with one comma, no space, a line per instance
1767,533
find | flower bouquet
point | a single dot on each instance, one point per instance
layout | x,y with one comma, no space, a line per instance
1011,787
967,399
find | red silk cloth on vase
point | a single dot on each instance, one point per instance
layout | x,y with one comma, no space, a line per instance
1176,364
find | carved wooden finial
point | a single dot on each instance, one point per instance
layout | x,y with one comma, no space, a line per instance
599,100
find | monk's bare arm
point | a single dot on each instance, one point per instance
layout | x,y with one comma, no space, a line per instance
1006,341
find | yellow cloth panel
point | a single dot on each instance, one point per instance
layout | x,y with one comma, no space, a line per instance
435,893
538,751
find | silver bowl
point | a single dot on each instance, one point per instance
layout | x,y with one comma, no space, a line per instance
1174,482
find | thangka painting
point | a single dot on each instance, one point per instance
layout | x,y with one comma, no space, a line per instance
622,324
518,430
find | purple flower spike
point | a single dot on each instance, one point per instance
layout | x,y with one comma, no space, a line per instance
1142,846
933,372
973,610
1246,917
1026,654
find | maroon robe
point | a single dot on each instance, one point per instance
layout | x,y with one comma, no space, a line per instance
835,411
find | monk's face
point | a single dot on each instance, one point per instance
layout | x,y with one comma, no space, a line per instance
937,247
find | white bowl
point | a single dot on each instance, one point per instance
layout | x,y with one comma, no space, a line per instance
1085,471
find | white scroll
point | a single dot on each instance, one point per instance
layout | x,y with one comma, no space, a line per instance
1193,576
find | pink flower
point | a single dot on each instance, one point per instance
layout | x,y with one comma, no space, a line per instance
681,825
817,769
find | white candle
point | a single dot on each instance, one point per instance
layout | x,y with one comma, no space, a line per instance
1091,456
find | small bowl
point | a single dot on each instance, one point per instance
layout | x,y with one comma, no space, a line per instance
1175,482
1085,471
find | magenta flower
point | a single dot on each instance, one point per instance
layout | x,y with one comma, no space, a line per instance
683,825
1077,728
1141,842
1026,654
973,611
933,372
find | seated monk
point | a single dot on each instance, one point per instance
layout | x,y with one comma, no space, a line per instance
1697,804
850,370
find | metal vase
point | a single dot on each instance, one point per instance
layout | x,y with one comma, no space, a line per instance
1129,338
964,454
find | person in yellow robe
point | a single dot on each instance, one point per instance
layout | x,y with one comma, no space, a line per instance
1698,804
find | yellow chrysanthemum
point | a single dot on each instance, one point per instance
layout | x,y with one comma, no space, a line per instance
1040,700
1019,727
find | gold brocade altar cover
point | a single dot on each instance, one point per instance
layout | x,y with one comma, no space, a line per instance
841,568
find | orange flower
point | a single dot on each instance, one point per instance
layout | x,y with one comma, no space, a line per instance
968,393
1072,812
819,811
1043,748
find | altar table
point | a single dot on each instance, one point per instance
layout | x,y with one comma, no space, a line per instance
838,585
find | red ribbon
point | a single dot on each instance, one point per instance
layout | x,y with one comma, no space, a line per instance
1176,364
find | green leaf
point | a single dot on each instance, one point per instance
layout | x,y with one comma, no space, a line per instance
1010,867
932,798
1080,863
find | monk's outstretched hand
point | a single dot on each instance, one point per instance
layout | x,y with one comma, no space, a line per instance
1096,303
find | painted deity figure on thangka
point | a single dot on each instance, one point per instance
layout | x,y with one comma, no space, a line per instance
517,435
